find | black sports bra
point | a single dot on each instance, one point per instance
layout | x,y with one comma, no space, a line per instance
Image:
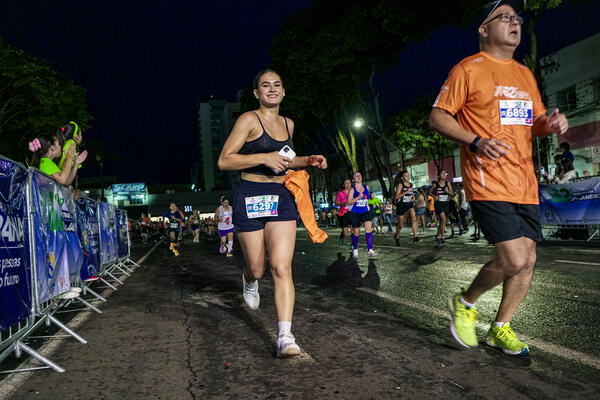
265,144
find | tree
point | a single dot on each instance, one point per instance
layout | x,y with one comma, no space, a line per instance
34,99
329,53
347,148
410,130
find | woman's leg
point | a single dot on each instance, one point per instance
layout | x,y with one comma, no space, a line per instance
280,240
388,218
442,224
253,247
355,235
369,235
414,222
229,242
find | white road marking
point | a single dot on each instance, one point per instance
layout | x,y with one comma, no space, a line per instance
574,262
14,381
559,351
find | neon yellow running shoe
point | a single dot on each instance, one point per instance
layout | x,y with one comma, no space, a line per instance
505,339
462,324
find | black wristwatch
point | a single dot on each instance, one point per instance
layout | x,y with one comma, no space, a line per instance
473,145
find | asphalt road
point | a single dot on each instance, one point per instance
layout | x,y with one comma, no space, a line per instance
178,329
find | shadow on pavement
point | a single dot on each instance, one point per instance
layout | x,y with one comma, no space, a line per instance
347,272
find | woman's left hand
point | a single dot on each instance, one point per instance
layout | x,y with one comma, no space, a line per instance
317,161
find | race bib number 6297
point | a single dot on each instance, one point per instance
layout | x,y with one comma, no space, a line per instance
262,206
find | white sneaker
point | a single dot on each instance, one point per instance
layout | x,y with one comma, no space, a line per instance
251,296
286,346
222,249
372,254
355,253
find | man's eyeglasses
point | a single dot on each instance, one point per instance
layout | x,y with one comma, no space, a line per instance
507,18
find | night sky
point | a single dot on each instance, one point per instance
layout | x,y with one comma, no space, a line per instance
147,64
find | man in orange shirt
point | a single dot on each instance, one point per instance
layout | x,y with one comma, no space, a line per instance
490,104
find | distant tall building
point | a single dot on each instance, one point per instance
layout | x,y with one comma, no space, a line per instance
215,120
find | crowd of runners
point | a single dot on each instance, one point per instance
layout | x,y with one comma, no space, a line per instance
490,105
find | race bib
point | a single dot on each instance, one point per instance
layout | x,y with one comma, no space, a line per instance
516,112
362,203
407,199
262,206
174,225
443,197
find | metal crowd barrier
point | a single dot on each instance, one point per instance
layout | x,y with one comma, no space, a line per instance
572,205
37,217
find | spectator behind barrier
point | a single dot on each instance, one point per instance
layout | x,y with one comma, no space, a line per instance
565,172
566,149
69,136
45,150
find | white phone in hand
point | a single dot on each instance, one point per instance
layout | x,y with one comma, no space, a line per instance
287,151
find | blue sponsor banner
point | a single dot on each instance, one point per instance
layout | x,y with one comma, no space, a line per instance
54,228
123,246
108,233
574,203
15,270
88,232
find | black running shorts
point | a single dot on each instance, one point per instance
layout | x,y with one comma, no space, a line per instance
501,221
357,219
344,220
441,207
402,208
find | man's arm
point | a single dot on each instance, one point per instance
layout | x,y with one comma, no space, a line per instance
556,122
446,125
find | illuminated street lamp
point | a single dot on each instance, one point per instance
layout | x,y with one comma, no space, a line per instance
359,123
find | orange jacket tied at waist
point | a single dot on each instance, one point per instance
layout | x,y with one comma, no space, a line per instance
297,183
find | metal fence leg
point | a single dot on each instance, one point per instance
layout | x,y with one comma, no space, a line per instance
22,346
96,295
108,284
129,260
593,234
66,329
114,277
89,305
122,270
126,267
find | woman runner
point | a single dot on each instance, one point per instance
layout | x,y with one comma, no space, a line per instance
224,216
264,209
358,199
195,222
176,219
441,191
405,198
341,200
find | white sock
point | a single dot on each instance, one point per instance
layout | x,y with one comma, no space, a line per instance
464,302
284,327
498,324
229,245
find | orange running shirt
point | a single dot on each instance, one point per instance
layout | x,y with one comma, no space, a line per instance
499,99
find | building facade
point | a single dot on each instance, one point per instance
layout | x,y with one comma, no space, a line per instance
571,82
215,120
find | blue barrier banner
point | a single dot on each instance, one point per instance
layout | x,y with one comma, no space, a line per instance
574,203
57,247
123,246
15,270
88,232
108,233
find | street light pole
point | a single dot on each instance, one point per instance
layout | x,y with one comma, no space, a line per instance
359,124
